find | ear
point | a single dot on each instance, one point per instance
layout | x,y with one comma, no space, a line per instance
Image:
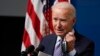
74,21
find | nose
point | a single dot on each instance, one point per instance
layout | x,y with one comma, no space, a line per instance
58,24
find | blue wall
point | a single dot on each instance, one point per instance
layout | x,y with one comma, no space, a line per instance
88,20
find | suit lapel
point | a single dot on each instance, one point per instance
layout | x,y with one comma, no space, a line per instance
77,42
52,43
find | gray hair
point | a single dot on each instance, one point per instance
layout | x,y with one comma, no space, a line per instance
65,5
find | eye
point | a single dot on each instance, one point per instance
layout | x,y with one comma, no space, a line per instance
64,20
55,19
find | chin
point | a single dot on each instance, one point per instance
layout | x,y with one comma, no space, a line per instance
59,34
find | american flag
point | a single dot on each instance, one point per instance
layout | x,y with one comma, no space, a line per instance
37,21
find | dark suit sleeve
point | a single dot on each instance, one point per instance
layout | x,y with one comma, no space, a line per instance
89,51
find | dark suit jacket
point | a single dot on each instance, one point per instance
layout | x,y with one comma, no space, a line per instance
83,46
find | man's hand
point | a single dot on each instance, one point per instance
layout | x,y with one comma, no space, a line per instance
70,39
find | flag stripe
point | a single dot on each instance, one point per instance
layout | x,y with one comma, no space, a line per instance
35,19
39,13
30,30
26,39
48,17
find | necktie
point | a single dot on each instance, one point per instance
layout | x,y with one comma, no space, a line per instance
58,50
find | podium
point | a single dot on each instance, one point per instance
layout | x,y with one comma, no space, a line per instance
43,54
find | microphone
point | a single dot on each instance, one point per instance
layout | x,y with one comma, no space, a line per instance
64,47
36,51
23,53
28,50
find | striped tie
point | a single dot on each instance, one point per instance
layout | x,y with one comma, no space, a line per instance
58,50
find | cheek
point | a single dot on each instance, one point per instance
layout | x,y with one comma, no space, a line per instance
66,26
53,23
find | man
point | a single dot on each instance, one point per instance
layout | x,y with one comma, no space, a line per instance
63,20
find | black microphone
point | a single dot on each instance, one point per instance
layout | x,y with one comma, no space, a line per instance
28,50
36,51
23,53
64,47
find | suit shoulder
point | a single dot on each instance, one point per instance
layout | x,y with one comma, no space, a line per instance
48,38
84,39
83,44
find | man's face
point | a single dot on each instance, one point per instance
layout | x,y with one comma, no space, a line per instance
62,21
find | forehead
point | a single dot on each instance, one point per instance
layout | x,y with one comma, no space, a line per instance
62,12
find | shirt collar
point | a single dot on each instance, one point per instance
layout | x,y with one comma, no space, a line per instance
58,38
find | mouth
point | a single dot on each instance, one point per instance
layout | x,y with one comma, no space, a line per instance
59,31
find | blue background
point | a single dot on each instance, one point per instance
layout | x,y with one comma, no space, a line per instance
88,20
